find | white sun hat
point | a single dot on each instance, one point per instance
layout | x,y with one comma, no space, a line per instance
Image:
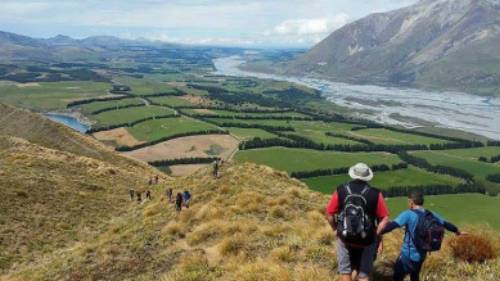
361,171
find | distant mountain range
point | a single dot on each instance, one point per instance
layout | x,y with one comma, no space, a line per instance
444,44
14,47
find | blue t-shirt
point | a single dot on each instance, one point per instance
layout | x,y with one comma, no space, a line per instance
408,219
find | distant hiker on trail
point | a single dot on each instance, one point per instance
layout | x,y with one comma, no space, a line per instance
139,197
216,168
424,233
156,179
131,192
357,212
186,197
178,202
169,193
148,194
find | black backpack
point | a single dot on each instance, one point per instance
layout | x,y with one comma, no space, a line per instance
429,232
355,225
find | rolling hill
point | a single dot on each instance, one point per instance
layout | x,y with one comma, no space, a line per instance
73,220
444,44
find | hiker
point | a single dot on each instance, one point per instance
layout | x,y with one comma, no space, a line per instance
131,192
148,195
156,179
424,233
169,193
216,168
178,202
186,196
139,197
356,212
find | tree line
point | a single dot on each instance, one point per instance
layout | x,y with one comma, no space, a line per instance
356,139
87,101
117,108
439,169
494,178
435,189
129,124
150,143
184,161
492,159
249,117
345,170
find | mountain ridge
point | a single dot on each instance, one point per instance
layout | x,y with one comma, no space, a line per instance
420,45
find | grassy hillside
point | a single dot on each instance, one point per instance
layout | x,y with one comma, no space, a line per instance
41,131
254,223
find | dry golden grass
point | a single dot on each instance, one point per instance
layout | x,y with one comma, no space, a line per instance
251,224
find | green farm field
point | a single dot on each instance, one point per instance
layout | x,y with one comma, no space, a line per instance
250,133
171,101
232,114
292,159
405,177
384,136
131,114
458,160
461,209
98,105
146,86
50,96
475,153
156,129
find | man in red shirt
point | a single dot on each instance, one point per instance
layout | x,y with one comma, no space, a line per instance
355,212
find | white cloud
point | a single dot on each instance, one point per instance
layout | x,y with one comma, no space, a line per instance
311,26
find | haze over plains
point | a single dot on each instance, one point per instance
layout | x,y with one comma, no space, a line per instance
259,23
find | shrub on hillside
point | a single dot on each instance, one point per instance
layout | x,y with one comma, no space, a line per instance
473,248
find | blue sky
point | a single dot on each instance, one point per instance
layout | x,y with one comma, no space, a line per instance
257,23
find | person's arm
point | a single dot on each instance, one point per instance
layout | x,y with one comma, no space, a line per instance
390,227
447,225
331,210
382,214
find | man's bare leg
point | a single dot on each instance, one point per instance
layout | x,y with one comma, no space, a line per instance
345,277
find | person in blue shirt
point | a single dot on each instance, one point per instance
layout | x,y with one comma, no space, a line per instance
411,259
186,197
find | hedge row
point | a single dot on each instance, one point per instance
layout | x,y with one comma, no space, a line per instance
129,124
435,189
230,109
184,161
494,178
269,128
294,141
116,108
142,145
360,140
492,159
87,101
344,170
248,117
439,169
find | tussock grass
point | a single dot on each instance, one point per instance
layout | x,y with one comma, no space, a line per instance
251,224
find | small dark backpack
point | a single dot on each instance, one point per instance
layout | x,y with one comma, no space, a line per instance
429,232
354,223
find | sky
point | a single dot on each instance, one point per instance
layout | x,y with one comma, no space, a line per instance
246,23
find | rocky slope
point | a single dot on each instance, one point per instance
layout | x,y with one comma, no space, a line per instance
448,44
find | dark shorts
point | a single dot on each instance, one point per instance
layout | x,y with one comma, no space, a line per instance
356,259
405,266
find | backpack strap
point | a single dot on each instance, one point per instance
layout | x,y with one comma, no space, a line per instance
348,188
365,190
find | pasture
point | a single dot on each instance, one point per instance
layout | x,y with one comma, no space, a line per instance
153,130
99,105
126,115
247,134
293,160
460,209
385,136
405,177
50,96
